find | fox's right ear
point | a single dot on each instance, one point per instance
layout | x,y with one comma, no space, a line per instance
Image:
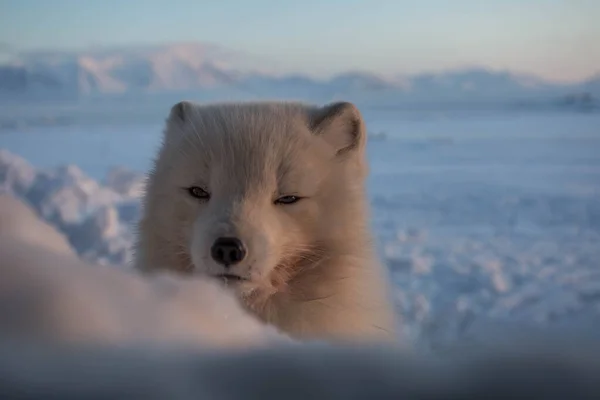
179,112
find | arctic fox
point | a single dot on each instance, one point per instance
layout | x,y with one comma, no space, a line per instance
269,198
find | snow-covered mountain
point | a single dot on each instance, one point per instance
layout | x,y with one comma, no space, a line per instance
208,68
123,69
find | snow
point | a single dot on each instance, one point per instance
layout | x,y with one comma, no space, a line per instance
483,220
296,372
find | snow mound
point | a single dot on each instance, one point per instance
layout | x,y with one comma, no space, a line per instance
97,219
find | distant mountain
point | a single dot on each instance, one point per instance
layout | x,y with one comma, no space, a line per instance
219,73
121,70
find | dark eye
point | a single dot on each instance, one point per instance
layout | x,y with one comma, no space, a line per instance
287,200
198,192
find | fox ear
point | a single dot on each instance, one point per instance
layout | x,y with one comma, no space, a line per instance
341,125
177,120
179,112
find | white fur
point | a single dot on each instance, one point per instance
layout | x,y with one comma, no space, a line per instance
311,268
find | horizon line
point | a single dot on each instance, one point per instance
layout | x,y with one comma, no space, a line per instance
7,48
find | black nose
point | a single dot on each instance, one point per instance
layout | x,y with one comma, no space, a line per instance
228,251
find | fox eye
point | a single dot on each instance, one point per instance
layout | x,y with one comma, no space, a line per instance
287,200
198,193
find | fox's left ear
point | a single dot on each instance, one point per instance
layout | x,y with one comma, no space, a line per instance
341,125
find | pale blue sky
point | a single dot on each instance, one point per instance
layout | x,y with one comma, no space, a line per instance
554,39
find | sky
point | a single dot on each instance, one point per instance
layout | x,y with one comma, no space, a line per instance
556,40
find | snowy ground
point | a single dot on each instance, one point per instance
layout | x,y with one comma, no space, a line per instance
480,218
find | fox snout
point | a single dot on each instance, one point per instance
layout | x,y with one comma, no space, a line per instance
228,251
235,238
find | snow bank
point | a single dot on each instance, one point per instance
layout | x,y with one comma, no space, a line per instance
315,372
97,219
